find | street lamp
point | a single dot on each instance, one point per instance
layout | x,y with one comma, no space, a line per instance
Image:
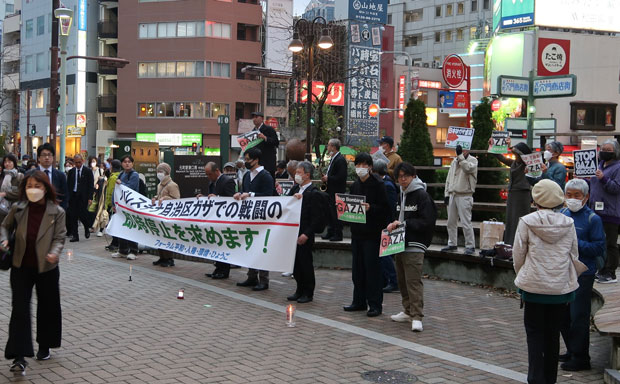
65,17
297,45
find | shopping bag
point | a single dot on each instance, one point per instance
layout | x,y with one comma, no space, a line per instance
491,232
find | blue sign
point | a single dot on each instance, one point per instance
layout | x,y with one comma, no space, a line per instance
517,14
374,11
82,14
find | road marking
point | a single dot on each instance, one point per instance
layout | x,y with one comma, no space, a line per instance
419,348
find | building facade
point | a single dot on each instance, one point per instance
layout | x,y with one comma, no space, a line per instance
324,8
9,97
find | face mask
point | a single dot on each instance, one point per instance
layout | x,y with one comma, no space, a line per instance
34,194
574,204
380,150
299,179
161,175
361,172
547,155
248,164
67,169
93,164
606,156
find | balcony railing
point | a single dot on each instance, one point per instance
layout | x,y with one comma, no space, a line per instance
106,70
107,29
106,103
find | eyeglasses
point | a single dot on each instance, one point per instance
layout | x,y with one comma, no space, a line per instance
46,155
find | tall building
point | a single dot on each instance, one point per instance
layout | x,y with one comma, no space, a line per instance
9,88
107,33
186,69
317,8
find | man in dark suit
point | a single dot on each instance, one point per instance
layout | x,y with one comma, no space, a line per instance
46,155
81,187
256,182
221,185
269,145
303,271
336,180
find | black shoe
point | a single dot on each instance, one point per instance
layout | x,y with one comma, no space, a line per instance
574,366
390,288
87,234
74,239
353,307
327,236
158,262
336,238
43,353
219,276
165,263
564,358
19,365
449,248
210,275
373,312
247,283
111,248
304,299
294,297
261,287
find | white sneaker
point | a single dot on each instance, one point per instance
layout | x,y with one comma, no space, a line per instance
99,234
131,256
287,274
116,255
401,317
416,326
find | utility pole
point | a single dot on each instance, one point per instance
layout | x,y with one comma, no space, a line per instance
53,93
28,136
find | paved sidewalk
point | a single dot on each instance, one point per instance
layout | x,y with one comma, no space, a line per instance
119,331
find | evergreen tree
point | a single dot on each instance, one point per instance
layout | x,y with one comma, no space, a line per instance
415,143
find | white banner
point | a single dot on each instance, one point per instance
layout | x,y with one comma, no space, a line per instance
258,232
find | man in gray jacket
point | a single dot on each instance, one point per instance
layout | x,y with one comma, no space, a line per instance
460,187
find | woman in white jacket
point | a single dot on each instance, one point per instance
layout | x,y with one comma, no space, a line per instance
546,261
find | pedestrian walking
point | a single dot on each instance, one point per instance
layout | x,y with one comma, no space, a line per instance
335,180
166,190
10,180
81,187
545,254
37,224
417,211
591,236
366,239
605,201
459,199
390,281
46,154
130,179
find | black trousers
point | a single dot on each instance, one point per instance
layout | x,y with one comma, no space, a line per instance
335,225
542,327
366,274
125,247
49,317
613,252
576,327
303,271
221,267
78,210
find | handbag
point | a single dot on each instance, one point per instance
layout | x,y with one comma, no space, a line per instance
6,255
491,232
5,207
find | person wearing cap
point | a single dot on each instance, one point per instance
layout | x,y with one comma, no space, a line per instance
546,261
166,190
519,200
553,170
269,145
387,146
229,169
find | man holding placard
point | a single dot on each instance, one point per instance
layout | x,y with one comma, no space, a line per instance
268,145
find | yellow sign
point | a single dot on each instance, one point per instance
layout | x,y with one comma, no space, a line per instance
73,131
431,116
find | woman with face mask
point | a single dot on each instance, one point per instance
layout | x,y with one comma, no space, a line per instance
38,224
166,190
10,180
605,201
553,170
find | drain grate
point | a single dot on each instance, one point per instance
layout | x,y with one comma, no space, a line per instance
392,377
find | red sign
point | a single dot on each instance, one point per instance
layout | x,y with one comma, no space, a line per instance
373,110
272,122
461,100
430,84
553,57
495,104
335,97
453,71
401,97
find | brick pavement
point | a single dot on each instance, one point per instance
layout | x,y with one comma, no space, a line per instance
134,332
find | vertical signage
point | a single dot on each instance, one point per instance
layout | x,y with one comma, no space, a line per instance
374,11
401,97
82,14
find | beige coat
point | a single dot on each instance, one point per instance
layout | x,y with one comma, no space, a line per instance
51,237
545,254
462,176
394,159
168,190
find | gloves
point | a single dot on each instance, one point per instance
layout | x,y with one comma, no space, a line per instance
459,150
446,200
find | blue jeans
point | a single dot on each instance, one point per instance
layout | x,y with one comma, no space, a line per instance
576,326
388,271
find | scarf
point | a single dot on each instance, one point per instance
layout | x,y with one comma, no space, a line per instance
7,179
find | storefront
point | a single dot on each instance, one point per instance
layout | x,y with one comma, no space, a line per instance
179,143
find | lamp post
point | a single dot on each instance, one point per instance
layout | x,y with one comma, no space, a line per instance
65,17
297,45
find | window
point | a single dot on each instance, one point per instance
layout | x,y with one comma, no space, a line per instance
40,62
593,116
218,30
474,5
218,109
460,8
485,4
389,19
29,28
171,69
40,98
165,109
438,11
183,110
413,16
218,69
174,29
473,32
276,94
29,64
198,110
459,33
9,9
146,110
442,133
449,10
448,35
40,25
438,37
411,41
436,60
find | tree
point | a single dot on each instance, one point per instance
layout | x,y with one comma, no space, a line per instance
415,143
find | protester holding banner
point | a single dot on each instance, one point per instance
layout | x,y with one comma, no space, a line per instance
269,145
166,190
366,239
256,182
458,192
387,146
519,199
605,200
131,180
116,169
387,263
553,170
417,210
309,222
336,180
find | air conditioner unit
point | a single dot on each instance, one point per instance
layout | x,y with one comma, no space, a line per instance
425,65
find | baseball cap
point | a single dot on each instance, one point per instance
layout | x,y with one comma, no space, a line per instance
387,139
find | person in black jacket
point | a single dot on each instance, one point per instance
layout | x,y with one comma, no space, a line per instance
225,186
366,239
256,182
46,154
81,187
303,271
417,210
387,263
268,146
336,180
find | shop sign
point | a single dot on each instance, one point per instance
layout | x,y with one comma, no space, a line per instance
171,139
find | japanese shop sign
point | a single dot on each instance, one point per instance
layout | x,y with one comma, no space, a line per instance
513,86
553,57
559,86
335,96
374,11
351,208
459,136
401,97
453,71
586,162
392,242
256,233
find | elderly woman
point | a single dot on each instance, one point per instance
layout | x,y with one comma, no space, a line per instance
519,199
591,245
38,224
166,190
554,170
545,255
605,200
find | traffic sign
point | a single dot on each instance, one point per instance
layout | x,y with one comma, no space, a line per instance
453,71
373,110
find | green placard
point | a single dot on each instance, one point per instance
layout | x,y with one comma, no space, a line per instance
392,242
499,142
350,208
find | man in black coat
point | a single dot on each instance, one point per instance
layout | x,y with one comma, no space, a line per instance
81,187
303,271
256,182
221,185
269,145
46,154
336,180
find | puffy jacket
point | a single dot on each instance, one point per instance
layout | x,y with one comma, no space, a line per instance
462,176
590,236
545,253
417,210
607,190
378,215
